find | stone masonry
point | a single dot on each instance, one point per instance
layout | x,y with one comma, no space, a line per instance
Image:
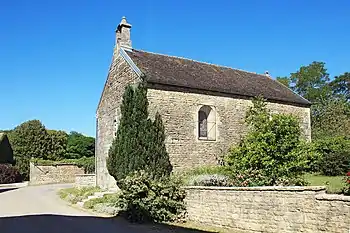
179,110
120,74
269,209
85,180
53,174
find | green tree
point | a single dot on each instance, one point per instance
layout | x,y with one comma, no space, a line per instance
159,162
284,80
331,118
340,86
29,139
273,147
119,155
58,144
311,81
79,145
139,143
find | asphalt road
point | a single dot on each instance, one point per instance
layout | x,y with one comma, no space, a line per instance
38,209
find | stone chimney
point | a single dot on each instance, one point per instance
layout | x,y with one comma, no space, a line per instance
123,35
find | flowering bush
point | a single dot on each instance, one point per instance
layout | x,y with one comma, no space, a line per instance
346,189
9,174
209,180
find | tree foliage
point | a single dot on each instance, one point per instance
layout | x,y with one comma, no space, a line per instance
32,140
311,81
79,146
284,80
139,143
330,98
330,118
340,86
58,145
146,200
273,146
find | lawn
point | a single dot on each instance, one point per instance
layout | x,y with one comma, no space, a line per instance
334,184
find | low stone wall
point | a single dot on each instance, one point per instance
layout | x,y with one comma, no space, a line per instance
85,180
269,209
52,174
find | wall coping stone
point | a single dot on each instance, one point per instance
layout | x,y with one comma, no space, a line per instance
261,188
85,175
332,197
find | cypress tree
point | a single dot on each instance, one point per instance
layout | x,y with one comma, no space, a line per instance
139,143
159,157
121,149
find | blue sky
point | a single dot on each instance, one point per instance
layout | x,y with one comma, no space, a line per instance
54,55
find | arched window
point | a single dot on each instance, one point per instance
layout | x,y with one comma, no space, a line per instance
206,123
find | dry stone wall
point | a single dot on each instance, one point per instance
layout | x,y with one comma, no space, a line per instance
62,173
269,209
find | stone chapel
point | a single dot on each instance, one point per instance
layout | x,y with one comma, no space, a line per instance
202,105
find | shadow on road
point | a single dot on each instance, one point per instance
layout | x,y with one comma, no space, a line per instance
2,190
81,224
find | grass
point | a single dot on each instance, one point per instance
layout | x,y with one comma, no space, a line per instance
334,184
107,198
74,195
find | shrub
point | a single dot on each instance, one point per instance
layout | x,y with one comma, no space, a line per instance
272,147
335,159
139,143
209,180
22,164
346,189
9,174
143,199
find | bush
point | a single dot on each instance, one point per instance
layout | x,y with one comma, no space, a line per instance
273,147
9,174
22,164
335,159
143,199
209,180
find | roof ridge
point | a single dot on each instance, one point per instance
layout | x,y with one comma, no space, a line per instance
207,63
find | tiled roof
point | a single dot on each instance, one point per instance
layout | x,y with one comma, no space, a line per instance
181,72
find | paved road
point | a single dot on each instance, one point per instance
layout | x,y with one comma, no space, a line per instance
38,209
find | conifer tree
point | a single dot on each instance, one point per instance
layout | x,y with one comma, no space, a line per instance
139,143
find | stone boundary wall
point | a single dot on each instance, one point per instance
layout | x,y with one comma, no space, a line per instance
85,180
269,209
53,174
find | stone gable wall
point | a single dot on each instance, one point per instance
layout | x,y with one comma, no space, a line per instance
52,174
119,76
269,209
179,111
